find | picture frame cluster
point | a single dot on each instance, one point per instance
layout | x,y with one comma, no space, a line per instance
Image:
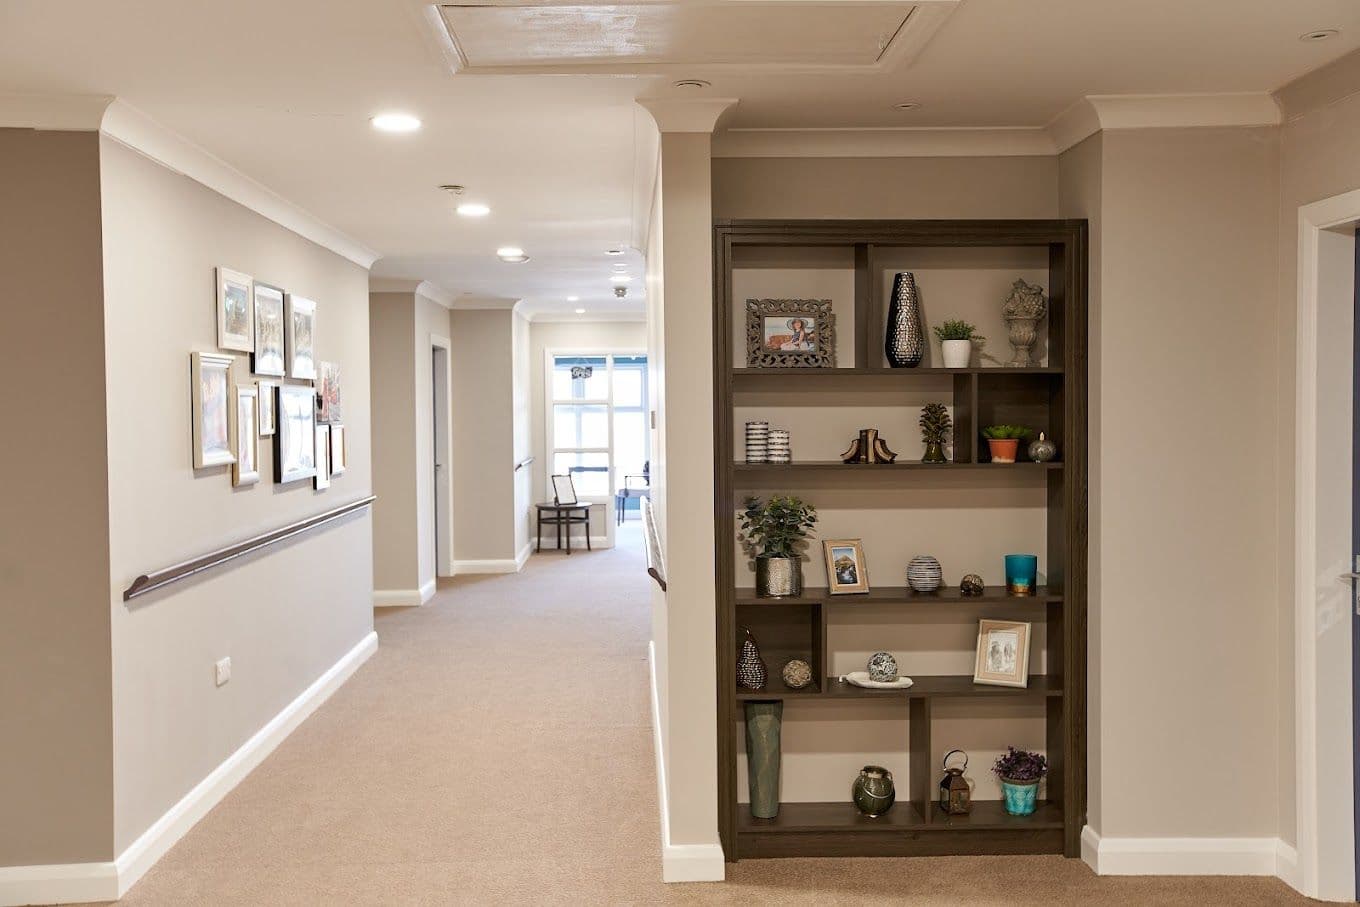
279,389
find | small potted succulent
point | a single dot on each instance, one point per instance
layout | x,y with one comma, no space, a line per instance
1020,772
772,533
935,424
1004,440
956,342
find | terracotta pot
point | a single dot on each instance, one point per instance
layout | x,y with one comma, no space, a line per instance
1003,449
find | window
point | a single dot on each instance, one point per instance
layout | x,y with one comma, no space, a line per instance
597,420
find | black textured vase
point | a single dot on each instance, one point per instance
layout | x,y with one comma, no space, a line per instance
905,344
751,672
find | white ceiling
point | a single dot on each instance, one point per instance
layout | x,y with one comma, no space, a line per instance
283,92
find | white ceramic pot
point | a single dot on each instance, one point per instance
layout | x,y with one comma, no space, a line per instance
957,353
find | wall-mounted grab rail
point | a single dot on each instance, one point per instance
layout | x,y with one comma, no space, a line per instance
151,581
523,463
655,568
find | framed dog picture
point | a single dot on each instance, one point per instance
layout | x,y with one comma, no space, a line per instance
846,571
1002,653
790,333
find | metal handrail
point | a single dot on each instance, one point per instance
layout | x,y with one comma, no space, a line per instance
655,567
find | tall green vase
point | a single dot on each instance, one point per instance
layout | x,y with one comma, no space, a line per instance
763,721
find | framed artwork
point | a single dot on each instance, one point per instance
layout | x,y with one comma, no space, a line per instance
339,451
846,570
300,337
267,358
790,333
564,491
1002,653
244,430
210,384
235,311
268,391
321,480
295,434
328,392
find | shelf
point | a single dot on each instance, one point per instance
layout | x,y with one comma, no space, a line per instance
802,818
838,466
740,374
901,595
942,686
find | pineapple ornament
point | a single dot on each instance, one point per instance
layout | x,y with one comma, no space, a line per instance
935,425
751,672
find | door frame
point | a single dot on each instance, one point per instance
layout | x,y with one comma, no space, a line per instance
1323,707
443,456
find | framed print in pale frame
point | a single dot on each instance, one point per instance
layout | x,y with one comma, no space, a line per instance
321,480
300,337
295,434
339,450
210,391
267,357
235,311
1002,653
846,570
244,429
328,392
564,490
267,397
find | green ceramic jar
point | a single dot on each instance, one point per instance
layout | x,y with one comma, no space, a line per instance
873,791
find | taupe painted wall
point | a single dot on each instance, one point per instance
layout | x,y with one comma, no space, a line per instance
522,394
285,615
396,528
431,324
56,773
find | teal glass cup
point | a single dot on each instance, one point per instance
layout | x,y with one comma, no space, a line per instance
1021,572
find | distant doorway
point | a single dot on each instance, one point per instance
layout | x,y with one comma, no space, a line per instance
443,474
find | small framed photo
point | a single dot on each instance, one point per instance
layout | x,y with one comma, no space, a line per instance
564,490
790,333
300,337
235,311
210,384
295,434
267,358
1002,653
267,398
328,392
846,570
244,429
321,480
339,450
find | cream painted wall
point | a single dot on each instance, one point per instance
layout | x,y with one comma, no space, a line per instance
396,538
285,615
568,336
56,776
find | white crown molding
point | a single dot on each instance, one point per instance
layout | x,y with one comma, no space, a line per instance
646,166
1337,81
431,291
686,114
71,112
1073,126
1161,111
483,303
884,142
126,124
588,318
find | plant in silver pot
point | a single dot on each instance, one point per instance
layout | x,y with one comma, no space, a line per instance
773,533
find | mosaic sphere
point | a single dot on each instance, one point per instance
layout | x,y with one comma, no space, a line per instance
797,674
883,667
971,585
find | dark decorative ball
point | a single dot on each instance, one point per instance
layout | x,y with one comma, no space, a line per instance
797,674
971,585
883,667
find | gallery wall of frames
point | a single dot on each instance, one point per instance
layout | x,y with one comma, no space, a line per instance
265,381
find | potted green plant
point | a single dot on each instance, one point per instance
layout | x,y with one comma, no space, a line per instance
935,425
1004,441
956,342
773,533
1020,772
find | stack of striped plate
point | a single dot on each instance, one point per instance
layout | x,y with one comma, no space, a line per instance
780,451
757,442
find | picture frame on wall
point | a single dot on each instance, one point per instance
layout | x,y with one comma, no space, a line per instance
339,449
1002,653
267,400
300,337
211,403
267,356
245,431
790,333
321,479
328,392
235,311
295,434
847,572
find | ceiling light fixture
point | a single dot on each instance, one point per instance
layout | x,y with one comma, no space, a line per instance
573,299
395,122
580,311
620,278
692,83
1320,34
620,266
473,209
614,252
906,105
511,254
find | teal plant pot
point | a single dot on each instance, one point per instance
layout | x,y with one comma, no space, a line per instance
1021,797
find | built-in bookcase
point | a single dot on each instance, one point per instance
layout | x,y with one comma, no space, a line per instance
968,512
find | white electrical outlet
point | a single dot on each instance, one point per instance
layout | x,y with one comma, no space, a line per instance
223,670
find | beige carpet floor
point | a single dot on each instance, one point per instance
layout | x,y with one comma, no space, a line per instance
497,750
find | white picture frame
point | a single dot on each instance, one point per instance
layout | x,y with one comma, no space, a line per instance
564,491
267,401
339,461
267,356
295,434
235,306
245,432
328,392
1002,653
210,409
321,480
300,337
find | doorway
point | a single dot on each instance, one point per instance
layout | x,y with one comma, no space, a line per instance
443,473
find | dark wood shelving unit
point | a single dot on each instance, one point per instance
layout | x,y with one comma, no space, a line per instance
1051,398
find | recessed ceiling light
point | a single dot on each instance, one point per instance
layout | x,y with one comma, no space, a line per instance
620,278
906,105
395,122
573,299
473,209
614,252
580,311
511,253
620,266
692,83
1321,34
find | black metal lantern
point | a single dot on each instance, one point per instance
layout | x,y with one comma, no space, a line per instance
955,797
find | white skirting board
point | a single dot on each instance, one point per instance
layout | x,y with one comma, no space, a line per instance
679,862
403,598
1188,856
505,565
77,882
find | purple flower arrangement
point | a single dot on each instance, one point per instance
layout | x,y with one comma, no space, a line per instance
1020,766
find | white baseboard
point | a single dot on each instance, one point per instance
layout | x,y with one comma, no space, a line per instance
679,862
507,565
523,556
1186,856
403,598
78,882
1287,865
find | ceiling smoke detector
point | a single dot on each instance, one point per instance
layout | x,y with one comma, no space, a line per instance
620,292
1320,34
692,83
